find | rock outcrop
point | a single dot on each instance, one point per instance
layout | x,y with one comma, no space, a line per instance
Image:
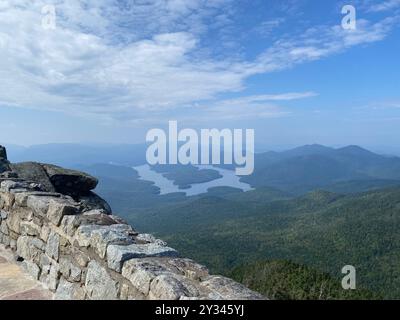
4,164
56,179
68,182
67,238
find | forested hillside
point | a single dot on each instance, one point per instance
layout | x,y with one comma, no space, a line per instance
321,229
285,280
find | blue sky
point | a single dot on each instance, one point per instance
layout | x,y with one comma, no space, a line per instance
111,70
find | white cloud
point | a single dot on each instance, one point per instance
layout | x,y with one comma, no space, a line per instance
320,42
384,6
261,106
268,26
116,63
248,107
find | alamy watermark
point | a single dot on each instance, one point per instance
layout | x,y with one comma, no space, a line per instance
349,21
349,280
49,19
186,146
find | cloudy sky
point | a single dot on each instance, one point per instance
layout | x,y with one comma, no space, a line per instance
112,69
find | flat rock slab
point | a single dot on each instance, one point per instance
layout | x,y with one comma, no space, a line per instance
16,284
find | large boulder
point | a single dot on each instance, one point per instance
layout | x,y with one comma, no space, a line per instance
70,182
91,201
33,171
57,179
51,178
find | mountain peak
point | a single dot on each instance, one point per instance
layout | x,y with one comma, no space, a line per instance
314,147
355,150
308,150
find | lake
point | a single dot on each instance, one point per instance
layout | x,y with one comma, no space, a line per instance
228,179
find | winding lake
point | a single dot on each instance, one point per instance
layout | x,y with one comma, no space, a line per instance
228,179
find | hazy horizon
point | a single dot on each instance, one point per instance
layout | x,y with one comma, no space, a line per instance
383,150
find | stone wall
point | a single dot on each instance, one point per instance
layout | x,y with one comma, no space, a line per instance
83,252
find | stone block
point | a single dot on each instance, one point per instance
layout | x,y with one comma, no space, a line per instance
118,254
99,284
69,291
53,246
58,208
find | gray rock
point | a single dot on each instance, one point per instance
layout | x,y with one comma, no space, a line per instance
44,233
9,185
53,246
84,233
118,220
118,254
140,272
3,214
68,181
99,237
58,208
39,204
171,287
69,291
45,263
94,212
227,289
94,218
91,201
33,171
69,270
53,178
99,284
14,221
21,199
189,268
149,238
80,257
4,164
50,272
3,153
6,240
32,269
124,295
8,175
4,228
69,225
30,229
30,248
53,277
114,234
6,201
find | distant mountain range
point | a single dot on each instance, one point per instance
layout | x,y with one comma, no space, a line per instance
296,171
70,154
314,166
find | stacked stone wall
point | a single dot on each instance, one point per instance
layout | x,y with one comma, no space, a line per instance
82,253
